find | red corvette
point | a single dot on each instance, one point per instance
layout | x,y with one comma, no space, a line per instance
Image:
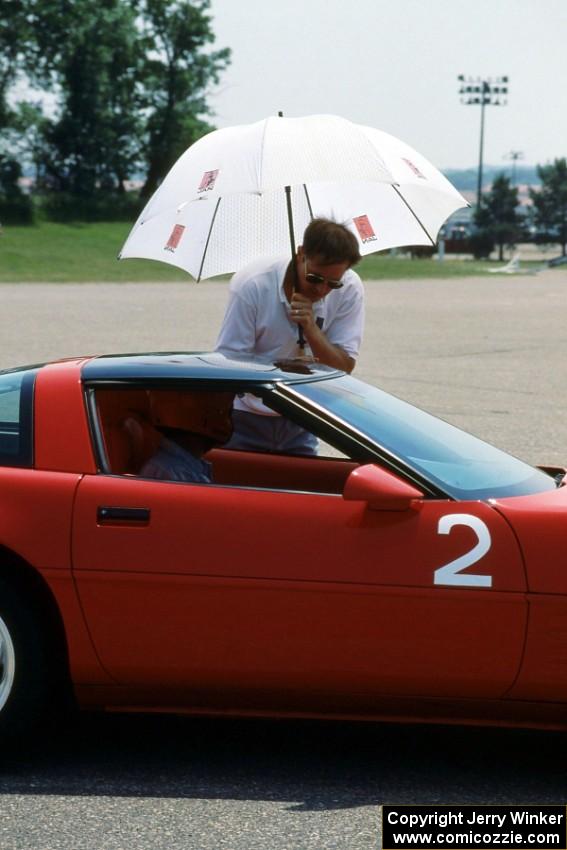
413,573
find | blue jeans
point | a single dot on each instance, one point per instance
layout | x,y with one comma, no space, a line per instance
253,432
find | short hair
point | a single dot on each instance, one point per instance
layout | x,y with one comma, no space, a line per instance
331,241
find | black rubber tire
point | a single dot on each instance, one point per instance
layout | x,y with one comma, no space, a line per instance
27,665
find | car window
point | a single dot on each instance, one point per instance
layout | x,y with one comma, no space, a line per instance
130,424
16,401
463,466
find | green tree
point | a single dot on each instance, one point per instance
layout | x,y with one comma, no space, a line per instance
14,35
550,202
129,80
27,136
498,216
15,206
177,70
88,52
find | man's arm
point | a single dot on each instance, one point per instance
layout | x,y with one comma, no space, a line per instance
323,350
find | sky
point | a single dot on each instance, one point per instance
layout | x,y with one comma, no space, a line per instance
393,64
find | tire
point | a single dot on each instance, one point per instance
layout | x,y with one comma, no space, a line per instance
27,665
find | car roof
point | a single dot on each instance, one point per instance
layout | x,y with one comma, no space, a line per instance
205,366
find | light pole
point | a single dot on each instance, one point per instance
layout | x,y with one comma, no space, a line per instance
484,92
514,156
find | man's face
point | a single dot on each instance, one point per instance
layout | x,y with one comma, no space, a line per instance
311,268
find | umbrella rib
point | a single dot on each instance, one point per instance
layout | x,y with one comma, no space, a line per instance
397,191
208,240
308,199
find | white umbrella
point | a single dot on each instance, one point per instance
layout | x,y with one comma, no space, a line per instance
223,204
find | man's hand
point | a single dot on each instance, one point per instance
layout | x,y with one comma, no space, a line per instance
302,311
322,350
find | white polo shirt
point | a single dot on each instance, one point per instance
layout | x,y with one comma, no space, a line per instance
258,317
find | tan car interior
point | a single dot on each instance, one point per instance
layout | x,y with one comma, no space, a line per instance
130,439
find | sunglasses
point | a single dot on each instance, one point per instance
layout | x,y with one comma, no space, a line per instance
315,279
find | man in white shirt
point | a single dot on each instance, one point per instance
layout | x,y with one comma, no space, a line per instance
270,300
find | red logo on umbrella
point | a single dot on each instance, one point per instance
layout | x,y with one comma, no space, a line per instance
208,181
365,229
175,238
414,168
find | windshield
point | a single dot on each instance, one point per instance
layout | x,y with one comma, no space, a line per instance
461,465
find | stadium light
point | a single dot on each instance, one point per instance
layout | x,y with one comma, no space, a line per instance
475,91
514,156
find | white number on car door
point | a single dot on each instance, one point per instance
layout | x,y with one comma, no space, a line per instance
452,573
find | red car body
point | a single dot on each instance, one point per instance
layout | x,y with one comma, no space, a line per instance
318,587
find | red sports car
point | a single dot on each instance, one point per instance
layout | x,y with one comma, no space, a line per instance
409,571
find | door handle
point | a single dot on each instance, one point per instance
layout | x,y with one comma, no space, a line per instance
129,516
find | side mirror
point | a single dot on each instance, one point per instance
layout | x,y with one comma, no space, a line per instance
382,490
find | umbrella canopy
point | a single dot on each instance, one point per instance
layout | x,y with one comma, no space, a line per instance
223,202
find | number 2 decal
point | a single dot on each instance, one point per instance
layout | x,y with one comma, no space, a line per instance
452,573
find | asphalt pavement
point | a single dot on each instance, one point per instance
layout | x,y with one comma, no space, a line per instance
488,354
162,783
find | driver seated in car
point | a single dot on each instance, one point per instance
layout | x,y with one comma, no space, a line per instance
190,424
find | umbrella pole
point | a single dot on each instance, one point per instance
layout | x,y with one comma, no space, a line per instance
300,338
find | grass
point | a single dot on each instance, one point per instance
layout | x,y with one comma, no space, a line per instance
77,253
74,253
377,266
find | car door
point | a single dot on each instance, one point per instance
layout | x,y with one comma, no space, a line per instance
244,594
